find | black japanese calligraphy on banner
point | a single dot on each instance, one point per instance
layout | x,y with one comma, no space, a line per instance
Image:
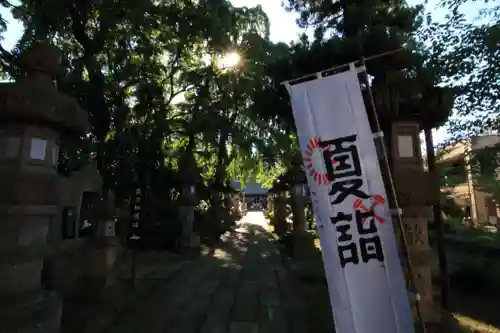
347,248
347,157
340,190
369,240
346,180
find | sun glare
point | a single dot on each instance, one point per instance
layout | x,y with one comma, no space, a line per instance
230,60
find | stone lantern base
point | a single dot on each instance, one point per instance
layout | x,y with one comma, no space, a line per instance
303,246
39,313
101,256
280,226
186,217
307,262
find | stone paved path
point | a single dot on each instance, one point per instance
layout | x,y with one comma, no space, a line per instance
241,287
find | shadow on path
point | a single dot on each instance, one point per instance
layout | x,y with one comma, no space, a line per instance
241,286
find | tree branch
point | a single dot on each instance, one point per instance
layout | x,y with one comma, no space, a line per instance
6,55
78,28
172,74
105,27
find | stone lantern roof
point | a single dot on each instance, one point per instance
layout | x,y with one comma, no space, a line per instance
399,97
34,98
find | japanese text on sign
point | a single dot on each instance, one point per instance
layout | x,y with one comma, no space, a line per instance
136,211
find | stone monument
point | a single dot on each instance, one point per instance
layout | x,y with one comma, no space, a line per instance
33,118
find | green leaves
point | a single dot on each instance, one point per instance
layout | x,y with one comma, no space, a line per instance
140,71
485,166
466,57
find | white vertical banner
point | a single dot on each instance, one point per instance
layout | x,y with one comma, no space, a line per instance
365,278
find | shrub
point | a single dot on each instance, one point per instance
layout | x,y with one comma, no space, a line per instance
479,275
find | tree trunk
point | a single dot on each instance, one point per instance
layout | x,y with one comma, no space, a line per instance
438,222
218,182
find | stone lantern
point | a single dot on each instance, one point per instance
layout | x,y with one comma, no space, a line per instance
298,194
102,251
406,106
33,117
279,207
303,240
269,202
237,204
190,178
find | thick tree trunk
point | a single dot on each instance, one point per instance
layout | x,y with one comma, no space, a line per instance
218,182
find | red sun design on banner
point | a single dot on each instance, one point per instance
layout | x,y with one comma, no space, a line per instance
376,200
313,147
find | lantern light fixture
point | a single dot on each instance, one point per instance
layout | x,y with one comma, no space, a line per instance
38,149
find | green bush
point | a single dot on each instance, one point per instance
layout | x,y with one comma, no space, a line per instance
478,275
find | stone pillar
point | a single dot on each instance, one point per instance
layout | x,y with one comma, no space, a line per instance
226,216
244,204
186,216
124,221
414,197
33,115
279,218
237,206
303,240
298,203
215,202
189,200
101,253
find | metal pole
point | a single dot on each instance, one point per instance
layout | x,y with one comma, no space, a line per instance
438,222
386,171
331,69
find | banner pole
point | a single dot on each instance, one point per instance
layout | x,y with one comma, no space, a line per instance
331,69
386,173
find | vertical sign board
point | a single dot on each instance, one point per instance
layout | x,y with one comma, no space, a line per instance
135,210
365,278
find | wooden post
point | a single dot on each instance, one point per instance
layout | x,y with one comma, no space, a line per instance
438,223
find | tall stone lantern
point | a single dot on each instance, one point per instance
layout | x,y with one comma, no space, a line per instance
33,117
406,106
303,240
279,207
190,175
101,252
